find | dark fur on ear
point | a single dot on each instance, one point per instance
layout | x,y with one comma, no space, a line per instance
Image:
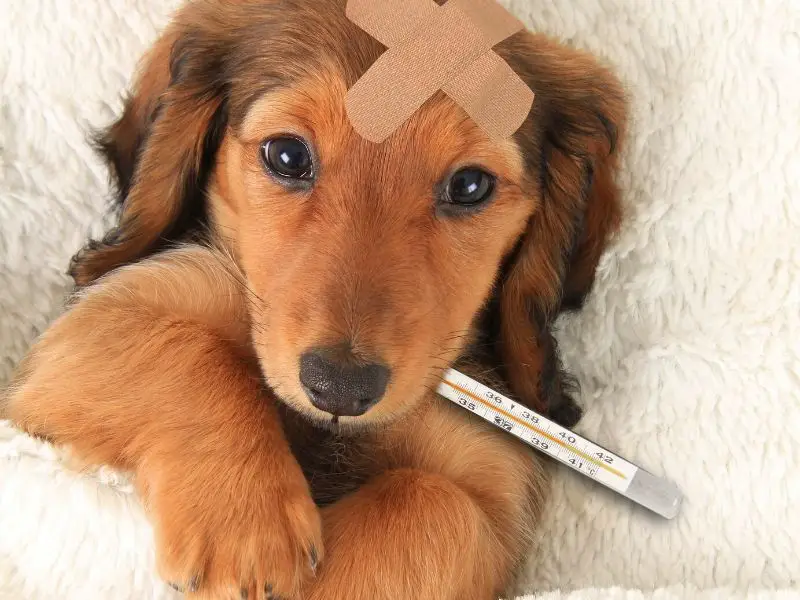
160,176
194,85
571,144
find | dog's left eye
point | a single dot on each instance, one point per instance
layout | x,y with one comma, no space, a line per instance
470,187
288,157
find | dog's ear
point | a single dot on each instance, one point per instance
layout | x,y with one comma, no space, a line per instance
571,152
161,149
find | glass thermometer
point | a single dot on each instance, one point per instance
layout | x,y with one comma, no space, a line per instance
611,470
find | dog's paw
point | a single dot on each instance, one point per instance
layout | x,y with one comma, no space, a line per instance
246,533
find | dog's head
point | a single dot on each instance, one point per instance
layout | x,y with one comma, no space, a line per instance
370,267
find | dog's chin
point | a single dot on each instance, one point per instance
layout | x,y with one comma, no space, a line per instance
340,425
370,421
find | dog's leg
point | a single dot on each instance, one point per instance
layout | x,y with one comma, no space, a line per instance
149,371
449,519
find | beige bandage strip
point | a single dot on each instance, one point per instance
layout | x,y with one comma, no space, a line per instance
432,48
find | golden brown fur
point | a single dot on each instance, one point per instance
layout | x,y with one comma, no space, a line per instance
180,364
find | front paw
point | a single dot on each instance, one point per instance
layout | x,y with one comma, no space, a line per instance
252,531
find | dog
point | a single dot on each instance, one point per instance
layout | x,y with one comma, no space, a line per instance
260,339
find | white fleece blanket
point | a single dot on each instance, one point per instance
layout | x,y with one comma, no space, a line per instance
688,352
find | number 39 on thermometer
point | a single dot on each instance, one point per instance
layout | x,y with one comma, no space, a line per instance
605,467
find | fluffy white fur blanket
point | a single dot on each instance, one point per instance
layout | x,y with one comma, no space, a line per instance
688,352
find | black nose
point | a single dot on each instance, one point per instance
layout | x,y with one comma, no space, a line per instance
336,383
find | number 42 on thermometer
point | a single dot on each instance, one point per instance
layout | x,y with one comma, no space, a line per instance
658,495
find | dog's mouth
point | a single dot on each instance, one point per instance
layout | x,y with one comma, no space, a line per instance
336,424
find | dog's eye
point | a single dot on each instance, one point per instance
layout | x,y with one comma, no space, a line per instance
288,157
469,187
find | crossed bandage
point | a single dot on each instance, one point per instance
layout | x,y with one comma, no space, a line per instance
432,48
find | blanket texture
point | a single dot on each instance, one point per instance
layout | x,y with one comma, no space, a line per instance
688,352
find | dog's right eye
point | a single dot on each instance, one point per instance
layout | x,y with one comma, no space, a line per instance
288,158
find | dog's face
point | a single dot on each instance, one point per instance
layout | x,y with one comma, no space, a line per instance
368,260
370,267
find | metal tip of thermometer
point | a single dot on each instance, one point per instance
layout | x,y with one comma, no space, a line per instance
611,470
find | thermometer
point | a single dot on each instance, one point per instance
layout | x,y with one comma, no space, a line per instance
611,470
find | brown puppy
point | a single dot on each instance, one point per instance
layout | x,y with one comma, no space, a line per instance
285,351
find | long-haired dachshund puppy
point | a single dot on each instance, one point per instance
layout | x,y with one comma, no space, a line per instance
259,340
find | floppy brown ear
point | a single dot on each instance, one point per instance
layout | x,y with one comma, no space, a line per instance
160,149
571,151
